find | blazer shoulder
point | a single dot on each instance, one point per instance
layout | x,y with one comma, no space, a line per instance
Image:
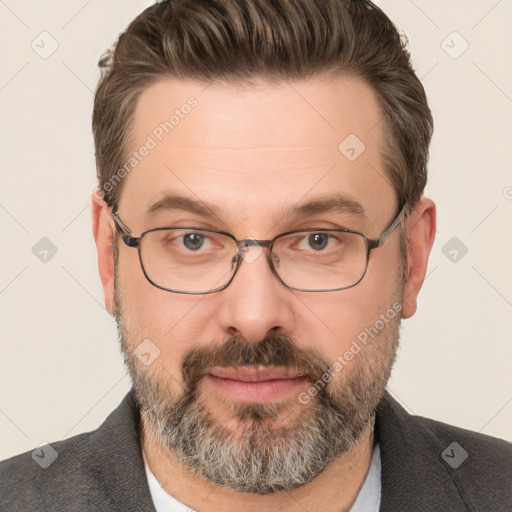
20,474
98,470
430,465
480,465
482,446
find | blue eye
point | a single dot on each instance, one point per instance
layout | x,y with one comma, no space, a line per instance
318,241
193,241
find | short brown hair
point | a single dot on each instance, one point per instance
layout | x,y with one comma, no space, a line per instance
227,40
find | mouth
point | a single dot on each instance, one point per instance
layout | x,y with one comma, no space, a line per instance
256,385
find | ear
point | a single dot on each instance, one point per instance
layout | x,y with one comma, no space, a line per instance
103,234
421,230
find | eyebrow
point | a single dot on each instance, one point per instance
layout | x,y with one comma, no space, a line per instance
176,202
338,203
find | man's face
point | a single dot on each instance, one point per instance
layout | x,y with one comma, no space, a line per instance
252,154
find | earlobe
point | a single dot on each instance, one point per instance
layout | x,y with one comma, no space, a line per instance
103,234
421,229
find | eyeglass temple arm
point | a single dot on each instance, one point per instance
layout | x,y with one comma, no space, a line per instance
125,231
377,242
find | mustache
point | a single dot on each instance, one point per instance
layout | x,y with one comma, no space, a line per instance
277,351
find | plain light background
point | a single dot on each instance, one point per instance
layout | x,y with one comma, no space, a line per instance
61,371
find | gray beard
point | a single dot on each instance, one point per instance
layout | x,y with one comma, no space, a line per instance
260,457
262,460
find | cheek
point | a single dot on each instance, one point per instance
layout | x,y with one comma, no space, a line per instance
331,324
334,321
174,323
147,309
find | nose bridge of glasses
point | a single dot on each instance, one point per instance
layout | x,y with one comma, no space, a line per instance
253,242
259,245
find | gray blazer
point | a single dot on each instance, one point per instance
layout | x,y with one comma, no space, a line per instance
427,466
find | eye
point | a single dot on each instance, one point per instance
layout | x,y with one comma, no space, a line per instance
318,241
319,245
189,241
193,241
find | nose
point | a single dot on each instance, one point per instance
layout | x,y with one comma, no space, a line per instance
256,303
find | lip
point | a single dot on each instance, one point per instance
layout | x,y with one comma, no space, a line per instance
255,385
260,374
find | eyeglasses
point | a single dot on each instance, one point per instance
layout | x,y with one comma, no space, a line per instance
200,261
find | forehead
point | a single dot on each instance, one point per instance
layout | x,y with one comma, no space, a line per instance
259,148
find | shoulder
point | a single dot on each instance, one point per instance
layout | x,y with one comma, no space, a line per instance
433,464
99,470
437,434
480,460
21,475
477,444
479,465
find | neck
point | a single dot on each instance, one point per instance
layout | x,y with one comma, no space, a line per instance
334,489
